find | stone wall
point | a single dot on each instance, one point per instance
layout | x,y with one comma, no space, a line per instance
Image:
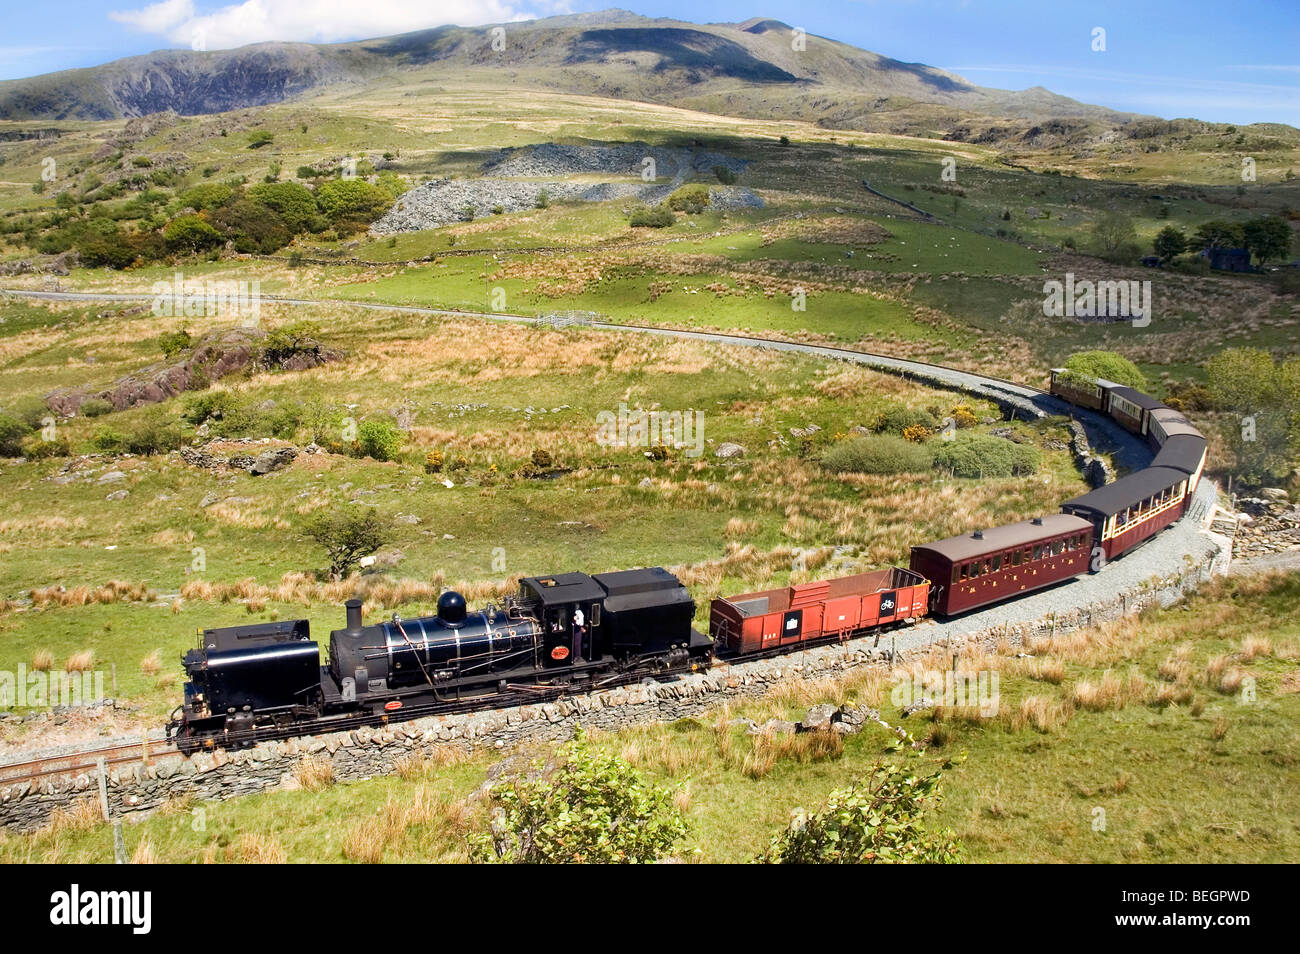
367,752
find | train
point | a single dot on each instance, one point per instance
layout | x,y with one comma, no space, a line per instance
572,632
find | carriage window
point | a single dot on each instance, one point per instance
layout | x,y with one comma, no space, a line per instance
1016,557
1038,552
997,563
1058,547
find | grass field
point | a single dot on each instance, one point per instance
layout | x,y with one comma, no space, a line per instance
1094,733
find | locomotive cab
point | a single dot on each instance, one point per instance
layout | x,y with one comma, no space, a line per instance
569,607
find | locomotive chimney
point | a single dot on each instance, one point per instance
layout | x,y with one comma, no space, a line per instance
354,615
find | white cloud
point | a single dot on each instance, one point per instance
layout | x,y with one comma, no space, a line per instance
316,21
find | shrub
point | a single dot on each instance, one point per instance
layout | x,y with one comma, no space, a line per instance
292,201
348,199
1091,365
36,447
896,418
543,200
594,808
189,233
724,175
206,195
981,455
692,199
880,820
433,462
963,416
877,454
347,535
172,343
916,433
95,407
654,218
286,341
257,140
12,432
379,439
151,434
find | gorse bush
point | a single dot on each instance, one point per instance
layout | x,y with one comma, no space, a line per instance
897,418
594,808
877,454
981,455
691,199
879,820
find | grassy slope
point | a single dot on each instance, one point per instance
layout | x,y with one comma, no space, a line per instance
1020,794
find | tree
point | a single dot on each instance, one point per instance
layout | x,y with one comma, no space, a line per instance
879,820
593,808
1262,401
292,201
191,234
347,535
1114,236
1169,243
1267,237
352,199
1091,365
1218,234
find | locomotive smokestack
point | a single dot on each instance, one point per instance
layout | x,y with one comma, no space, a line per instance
354,615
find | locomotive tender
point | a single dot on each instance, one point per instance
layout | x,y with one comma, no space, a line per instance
573,632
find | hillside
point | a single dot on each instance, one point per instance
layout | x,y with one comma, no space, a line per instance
747,69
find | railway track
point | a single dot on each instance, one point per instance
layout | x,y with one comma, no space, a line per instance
85,761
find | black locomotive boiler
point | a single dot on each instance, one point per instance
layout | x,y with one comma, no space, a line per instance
568,631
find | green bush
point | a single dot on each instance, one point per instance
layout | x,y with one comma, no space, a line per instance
594,808
379,439
897,418
282,343
259,139
292,201
877,454
1091,365
12,432
352,199
36,447
982,455
189,233
692,199
172,343
880,820
724,175
654,218
206,195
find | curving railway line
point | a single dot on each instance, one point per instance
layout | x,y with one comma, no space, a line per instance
1165,555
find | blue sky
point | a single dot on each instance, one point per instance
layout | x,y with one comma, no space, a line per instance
1223,61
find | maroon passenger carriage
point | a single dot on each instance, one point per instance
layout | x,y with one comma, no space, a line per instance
989,566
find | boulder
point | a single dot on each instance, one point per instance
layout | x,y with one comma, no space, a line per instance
272,460
819,718
729,450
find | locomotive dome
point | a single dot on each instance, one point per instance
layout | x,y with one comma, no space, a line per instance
451,608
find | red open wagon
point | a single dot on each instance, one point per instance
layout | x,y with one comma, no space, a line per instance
844,607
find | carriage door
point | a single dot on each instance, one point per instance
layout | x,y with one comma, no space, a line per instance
792,627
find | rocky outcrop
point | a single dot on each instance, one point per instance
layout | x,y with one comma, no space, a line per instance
217,355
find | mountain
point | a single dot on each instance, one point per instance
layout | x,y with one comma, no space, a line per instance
750,69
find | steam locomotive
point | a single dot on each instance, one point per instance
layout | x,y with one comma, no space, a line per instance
570,631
